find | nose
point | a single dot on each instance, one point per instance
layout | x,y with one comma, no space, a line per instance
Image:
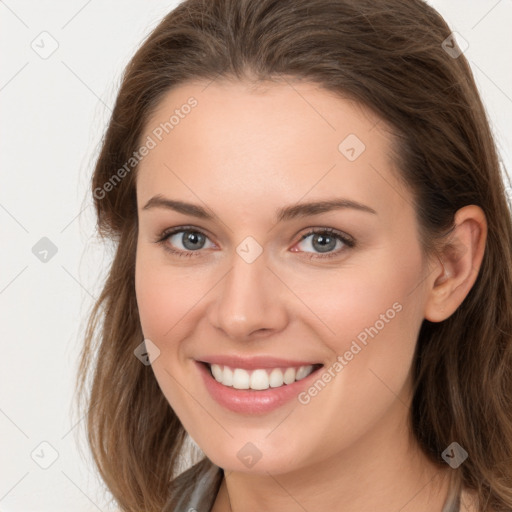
249,301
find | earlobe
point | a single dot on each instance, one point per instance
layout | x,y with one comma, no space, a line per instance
458,264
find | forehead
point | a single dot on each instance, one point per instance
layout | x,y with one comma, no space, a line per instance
227,141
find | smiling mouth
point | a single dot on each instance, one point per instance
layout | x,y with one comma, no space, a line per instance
259,379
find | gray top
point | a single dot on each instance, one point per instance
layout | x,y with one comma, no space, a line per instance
201,496
209,479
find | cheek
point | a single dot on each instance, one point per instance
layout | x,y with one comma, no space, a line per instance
155,300
373,313
164,295
164,298
364,301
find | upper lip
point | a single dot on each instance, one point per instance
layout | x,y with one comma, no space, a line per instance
255,362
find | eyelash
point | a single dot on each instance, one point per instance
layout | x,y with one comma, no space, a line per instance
165,235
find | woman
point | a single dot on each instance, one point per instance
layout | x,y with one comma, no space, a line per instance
340,336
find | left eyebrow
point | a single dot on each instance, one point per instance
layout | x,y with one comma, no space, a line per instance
286,213
317,207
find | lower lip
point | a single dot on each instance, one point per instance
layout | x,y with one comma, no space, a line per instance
247,401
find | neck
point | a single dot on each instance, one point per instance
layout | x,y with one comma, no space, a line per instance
383,470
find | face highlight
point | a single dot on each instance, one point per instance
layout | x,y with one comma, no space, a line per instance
272,225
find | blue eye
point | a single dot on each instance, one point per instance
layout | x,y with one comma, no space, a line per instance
193,240
325,240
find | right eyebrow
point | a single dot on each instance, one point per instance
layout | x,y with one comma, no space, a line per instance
159,201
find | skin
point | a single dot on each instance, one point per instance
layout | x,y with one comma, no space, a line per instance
242,153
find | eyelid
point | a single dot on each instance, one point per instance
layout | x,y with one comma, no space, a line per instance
167,232
345,237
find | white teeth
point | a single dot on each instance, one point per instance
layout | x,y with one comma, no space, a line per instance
258,379
241,379
303,372
276,378
217,372
289,375
227,376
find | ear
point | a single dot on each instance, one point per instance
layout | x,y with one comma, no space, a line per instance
457,264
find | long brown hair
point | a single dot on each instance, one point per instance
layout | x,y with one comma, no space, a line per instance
389,56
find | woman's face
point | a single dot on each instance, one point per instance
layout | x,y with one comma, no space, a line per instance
252,288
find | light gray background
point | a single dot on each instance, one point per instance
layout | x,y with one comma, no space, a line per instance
54,112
